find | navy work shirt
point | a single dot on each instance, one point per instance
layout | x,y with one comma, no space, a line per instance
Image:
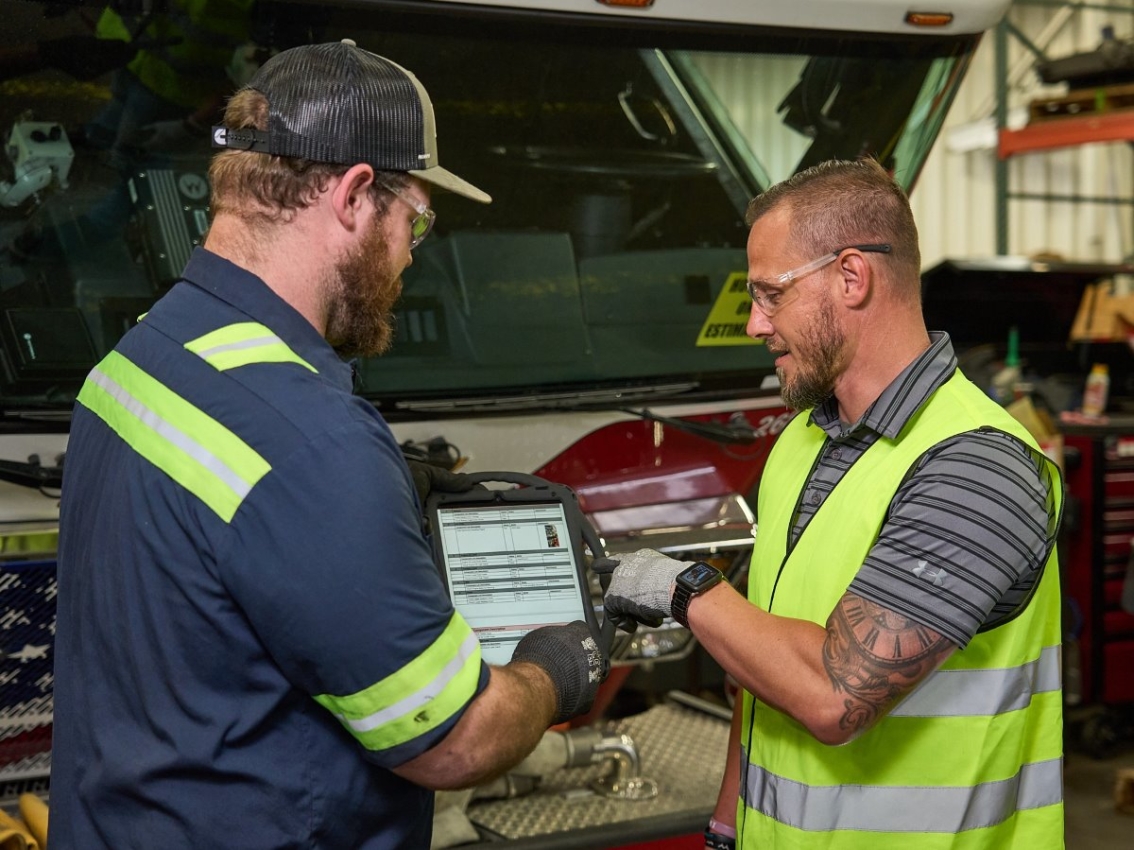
251,630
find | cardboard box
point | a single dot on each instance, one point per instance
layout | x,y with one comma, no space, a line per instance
1103,316
1040,426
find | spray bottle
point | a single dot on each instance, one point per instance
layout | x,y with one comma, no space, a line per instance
1096,391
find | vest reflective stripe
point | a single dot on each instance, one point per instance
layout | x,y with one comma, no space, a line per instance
243,344
197,452
419,697
983,692
876,808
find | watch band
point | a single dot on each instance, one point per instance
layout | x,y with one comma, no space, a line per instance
679,605
691,582
717,841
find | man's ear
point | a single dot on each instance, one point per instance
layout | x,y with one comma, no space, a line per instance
349,195
857,279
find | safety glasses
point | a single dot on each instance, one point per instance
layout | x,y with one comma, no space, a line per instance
423,223
769,300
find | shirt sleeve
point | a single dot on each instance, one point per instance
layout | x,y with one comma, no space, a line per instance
331,567
967,536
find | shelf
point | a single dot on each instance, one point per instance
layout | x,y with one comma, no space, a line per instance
1068,132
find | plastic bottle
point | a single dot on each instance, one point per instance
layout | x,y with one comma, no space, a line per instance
1004,381
1096,391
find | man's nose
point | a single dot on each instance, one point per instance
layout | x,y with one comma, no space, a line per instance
759,325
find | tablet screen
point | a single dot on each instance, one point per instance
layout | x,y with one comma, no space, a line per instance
510,568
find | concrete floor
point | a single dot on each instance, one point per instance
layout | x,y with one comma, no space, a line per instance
1093,821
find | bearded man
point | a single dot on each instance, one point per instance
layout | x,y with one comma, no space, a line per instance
899,644
254,647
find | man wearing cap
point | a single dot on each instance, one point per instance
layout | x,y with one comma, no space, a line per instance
254,648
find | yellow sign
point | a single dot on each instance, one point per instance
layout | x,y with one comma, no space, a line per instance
729,317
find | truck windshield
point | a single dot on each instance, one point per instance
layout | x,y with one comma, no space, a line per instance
610,265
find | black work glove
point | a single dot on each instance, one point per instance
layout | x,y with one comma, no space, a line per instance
574,661
640,587
429,476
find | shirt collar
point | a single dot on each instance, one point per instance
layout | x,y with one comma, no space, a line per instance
901,399
250,295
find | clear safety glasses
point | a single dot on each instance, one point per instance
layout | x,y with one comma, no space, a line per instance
420,226
770,300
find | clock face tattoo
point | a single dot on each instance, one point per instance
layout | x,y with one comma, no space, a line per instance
876,656
885,635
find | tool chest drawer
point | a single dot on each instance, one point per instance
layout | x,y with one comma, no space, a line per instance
1095,553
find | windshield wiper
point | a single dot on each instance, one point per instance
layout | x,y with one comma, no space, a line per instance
33,473
726,433
554,401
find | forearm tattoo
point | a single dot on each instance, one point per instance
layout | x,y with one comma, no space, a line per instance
876,656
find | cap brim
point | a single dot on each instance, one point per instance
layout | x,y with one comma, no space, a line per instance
449,181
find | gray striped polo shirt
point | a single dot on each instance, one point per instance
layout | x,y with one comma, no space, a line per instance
969,530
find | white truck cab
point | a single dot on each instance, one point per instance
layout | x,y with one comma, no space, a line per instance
586,326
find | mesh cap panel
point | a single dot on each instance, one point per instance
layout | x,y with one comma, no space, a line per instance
338,103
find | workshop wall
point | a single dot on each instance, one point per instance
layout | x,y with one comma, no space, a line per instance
955,197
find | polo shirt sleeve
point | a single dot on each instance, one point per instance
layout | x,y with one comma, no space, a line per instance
967,536
329,564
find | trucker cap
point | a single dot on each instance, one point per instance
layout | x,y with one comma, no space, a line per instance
341,104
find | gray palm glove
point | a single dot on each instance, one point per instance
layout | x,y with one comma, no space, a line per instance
640,587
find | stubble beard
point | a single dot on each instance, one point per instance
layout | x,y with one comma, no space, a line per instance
821,346
360,303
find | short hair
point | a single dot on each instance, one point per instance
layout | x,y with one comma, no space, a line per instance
841,202
266,189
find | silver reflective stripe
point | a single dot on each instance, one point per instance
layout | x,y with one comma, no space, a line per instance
257,342
879,808
969,693
410,705
169,432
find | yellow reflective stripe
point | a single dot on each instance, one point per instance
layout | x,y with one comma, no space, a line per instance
242,344
417,698
183,441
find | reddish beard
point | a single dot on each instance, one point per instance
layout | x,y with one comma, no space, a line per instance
360,319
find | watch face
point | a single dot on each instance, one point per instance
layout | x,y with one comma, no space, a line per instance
699,575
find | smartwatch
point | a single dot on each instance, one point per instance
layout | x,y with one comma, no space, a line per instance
692,581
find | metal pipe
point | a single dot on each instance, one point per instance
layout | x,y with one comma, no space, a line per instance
624,753
623,781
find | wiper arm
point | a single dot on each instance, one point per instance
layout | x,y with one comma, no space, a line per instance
732,434
33,473
555,401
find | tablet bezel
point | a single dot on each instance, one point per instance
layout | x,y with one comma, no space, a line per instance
544,492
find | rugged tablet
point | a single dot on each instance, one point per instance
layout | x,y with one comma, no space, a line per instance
513,559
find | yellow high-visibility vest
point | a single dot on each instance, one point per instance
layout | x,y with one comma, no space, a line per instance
973,758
